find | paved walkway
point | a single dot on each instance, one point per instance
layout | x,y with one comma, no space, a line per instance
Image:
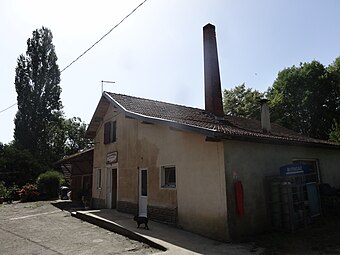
41,229
175,241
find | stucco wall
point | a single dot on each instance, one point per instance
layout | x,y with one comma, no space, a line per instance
250,162
201,190
99,159
200,193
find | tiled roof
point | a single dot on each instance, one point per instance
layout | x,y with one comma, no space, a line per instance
229,127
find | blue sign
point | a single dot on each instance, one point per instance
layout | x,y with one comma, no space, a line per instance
294,169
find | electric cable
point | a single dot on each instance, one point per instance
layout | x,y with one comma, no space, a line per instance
81,55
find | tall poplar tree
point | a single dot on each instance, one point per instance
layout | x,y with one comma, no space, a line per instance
38,95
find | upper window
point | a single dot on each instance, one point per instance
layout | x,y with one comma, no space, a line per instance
168,177
109,132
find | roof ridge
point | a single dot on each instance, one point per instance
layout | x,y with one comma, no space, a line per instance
157,101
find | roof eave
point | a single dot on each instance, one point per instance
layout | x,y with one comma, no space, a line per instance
153,120
279,141
97,117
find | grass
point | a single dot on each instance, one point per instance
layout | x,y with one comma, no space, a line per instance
321,237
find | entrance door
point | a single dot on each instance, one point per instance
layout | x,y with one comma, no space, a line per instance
111,188
143,192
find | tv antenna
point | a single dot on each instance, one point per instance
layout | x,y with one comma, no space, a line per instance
106,82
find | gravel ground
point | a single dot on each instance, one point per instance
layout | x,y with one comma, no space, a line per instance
41,228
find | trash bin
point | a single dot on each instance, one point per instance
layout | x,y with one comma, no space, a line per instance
63,192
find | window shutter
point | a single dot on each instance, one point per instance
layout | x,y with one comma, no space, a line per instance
113,135
107,132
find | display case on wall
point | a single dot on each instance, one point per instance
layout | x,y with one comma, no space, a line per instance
293,201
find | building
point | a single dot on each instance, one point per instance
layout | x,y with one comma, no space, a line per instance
77,169
196,169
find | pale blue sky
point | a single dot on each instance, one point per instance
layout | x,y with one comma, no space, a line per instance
157,52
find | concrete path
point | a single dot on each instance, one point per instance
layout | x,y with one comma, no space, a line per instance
169,239
42,229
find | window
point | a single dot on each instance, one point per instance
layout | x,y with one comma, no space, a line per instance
168,177
313,164
109,132
99,178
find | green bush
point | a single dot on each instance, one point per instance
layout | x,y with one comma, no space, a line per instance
49,183
29,193
13,192
3,190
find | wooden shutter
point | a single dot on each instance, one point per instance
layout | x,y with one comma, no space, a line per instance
113,134
107,132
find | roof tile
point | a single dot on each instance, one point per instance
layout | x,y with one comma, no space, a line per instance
201,119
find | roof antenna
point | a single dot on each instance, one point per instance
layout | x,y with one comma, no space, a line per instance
106,82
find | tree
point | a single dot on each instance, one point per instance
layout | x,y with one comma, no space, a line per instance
69,137
242,102
335,132
38,94
305,99
17,165
334,73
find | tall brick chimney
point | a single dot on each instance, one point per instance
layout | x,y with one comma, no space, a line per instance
212,82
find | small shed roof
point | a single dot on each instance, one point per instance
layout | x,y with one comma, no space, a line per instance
82,162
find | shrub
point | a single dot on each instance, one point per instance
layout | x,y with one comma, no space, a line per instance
3,190
29,193
13,192
49,183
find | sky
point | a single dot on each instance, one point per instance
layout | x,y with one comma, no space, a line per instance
157,53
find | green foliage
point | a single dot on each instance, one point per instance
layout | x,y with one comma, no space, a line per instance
13,192
29,193
18,166
69,137
306,98
42,134
37,85
335,133
242,102
49,183
3,190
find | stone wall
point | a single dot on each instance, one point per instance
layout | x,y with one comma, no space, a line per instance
127,207
163,214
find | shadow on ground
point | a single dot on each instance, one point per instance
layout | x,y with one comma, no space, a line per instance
321,237
68,205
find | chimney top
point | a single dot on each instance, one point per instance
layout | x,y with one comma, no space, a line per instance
264,100
265,116
209,26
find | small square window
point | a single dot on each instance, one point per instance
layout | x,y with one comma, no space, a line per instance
168,177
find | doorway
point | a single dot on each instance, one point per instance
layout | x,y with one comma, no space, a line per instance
111,188
143,193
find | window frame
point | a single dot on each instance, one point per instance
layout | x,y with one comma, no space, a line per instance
165,184
313,161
